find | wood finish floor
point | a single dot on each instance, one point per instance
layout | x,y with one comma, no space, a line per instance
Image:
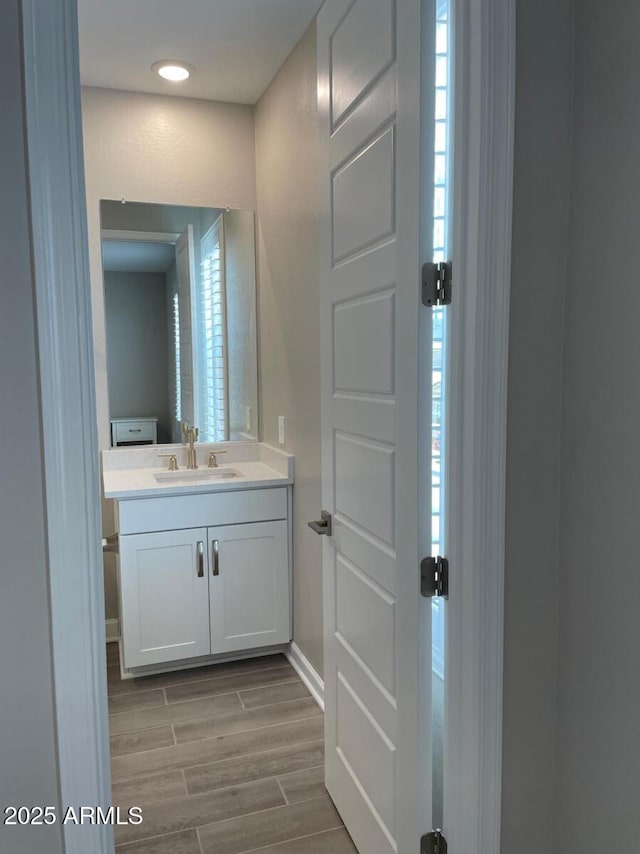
224,759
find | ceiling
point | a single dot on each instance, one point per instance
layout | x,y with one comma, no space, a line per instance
236,46
128,256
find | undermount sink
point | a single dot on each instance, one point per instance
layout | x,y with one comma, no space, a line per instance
196,475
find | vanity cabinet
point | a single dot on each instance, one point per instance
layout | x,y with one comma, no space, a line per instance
208,590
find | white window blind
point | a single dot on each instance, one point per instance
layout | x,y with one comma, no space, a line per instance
177,389
211,338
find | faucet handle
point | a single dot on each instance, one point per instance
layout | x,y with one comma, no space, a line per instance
173,461
213,461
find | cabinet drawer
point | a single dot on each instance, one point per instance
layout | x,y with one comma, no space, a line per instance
144,515
134,431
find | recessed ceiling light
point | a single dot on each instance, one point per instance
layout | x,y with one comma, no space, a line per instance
172,70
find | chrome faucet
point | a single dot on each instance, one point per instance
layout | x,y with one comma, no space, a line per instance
190,437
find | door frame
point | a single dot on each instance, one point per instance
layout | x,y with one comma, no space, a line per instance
483,187
55,165
485,89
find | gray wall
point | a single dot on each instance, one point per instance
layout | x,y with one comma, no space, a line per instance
288,204
137,347
598,739
539,263
572,647
28,761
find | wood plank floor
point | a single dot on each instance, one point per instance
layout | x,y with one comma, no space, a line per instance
225,759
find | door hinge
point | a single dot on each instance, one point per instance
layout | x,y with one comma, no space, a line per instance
436,283
434,577
433,843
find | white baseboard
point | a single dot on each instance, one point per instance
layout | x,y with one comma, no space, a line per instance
113,630
306,672
199,661
294,654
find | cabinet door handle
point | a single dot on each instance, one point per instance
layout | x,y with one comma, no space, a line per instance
200,559
215,548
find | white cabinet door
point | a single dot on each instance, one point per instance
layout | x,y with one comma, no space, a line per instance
248,586
163,593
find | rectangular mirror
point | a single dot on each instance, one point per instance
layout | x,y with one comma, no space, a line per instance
180,307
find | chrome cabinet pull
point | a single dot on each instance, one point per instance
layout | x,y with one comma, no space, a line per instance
200,559
215,548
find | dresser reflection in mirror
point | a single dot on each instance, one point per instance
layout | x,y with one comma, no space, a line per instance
180,303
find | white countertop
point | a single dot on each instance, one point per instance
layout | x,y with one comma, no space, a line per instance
270,467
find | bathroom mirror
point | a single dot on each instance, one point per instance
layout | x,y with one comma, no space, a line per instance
180,310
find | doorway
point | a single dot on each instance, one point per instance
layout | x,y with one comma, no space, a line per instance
88,624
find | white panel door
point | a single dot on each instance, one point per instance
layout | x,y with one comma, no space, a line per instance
249,586
377,667
164,602
186,271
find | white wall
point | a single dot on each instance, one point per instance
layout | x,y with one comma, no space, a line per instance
153,148
28,760
286,150
539,263
598,739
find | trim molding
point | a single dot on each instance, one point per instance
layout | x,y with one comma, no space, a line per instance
483,186
140,236
306,672
72,486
